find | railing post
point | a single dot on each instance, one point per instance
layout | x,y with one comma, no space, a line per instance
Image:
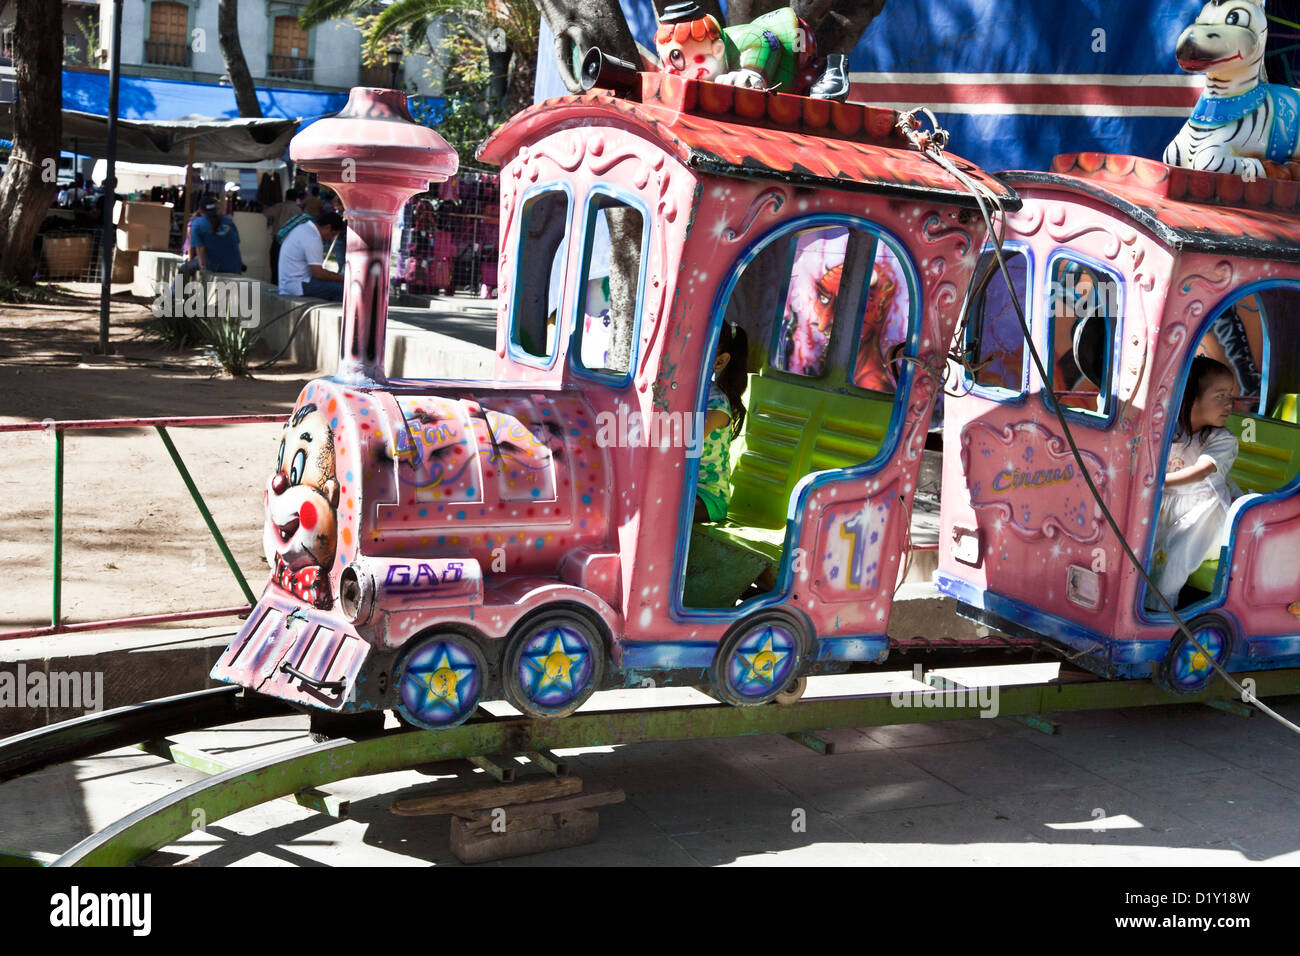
57,610
207,515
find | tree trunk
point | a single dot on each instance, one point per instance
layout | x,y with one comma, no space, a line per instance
31,178
844,24
579,25
743,11
236,66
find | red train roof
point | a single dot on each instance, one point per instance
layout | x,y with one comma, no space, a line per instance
727,131
1188,210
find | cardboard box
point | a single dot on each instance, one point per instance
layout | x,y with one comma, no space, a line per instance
123,265
133,238
142,225
67,256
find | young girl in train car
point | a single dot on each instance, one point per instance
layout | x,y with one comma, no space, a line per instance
723,418
1198,491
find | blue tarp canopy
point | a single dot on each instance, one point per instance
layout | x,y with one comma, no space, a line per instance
151,99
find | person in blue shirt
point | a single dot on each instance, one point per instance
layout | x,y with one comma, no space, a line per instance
215,240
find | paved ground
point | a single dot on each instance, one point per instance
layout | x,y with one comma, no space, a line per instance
1181,786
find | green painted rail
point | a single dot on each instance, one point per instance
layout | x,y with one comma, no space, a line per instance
169,818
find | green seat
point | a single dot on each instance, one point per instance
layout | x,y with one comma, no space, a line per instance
791,430
1266,464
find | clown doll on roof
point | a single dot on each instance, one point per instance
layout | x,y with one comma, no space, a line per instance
775,52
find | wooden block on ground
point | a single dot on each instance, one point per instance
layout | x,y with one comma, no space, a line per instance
485,798
482,820
555,831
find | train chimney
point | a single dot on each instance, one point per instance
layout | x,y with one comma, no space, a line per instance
375,157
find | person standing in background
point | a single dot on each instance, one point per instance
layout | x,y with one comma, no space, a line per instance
215,240
282,212
314,206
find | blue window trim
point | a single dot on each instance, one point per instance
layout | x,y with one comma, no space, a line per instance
586,242
796,511
995,393
1115,326
1219,595
513,349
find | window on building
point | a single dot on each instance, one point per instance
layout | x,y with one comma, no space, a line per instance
1083,321
995,342
543,234
169,39
611,276
289,50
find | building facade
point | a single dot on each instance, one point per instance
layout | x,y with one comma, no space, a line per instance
178,39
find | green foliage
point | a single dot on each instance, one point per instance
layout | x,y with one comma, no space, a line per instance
11,291
465,120
230,343
468,117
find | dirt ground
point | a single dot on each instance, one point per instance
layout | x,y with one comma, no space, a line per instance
134,542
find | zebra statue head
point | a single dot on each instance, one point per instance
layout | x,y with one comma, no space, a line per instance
1227,44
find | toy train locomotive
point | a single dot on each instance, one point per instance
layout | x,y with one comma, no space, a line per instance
437,544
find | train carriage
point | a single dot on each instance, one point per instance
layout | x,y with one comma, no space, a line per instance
435,544
1128,268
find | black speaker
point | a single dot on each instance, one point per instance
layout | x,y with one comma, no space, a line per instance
608,72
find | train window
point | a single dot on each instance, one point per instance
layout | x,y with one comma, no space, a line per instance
886,319
609,286
1083,319
995,341
543,231
1237,336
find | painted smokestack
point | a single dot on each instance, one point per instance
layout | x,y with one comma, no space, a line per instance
375,157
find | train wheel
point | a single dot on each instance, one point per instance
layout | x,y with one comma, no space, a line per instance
759,660
440,681
553,664
1185,669
792,693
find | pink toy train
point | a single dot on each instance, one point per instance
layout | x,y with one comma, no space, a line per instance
436,544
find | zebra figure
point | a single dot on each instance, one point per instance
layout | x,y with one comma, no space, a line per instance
1240,118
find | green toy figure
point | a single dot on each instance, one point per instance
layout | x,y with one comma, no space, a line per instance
775,52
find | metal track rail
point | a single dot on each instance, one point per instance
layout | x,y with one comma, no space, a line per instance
125,726
166,820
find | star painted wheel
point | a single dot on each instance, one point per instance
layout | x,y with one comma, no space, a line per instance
1186,669
440,681
759,660
553,664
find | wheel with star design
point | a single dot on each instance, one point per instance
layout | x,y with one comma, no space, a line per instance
553,663
1186,668
759,660
440,681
